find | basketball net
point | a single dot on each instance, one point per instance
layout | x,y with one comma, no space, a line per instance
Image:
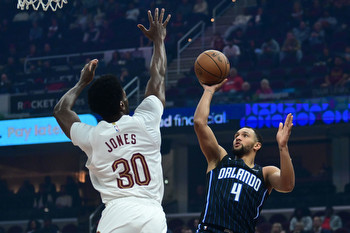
53,4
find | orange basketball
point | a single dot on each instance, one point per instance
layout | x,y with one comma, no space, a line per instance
211,67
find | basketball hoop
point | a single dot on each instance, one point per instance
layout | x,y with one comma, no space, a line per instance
53,4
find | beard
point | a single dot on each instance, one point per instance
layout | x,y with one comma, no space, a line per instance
241,151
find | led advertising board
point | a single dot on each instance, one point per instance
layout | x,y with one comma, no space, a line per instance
35,130
331,110
327,111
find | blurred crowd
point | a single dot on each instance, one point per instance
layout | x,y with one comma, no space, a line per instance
83,26
72,200
30,202
277,50
48,205
326,220
282,50
41,206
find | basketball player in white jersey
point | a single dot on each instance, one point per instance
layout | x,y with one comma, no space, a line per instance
124,159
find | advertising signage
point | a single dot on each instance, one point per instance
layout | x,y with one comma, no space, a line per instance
35,130
42,103
324,111
219,114
327,111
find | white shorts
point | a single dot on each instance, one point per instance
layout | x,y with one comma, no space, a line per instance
132,215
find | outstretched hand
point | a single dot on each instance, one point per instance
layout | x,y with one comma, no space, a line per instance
88,72
157,29
213,88
284,131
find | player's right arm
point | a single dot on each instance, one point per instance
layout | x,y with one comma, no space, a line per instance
282,179
206,138
63,112
157,33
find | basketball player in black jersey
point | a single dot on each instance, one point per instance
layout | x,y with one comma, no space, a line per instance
236,186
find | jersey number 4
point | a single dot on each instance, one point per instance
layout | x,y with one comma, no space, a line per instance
138,166
236,190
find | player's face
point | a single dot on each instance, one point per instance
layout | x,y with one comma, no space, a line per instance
243,142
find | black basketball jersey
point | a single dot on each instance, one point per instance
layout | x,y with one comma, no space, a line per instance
235,196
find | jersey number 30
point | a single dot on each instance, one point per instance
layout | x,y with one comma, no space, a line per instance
236,190
130,178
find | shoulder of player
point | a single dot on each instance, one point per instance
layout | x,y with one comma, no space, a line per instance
149,103
152,98
213,161
269,170
82,126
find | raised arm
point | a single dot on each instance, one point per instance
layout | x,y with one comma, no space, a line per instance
283,179
63,112
157,33
206,138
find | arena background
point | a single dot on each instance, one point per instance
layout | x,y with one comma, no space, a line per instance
42,53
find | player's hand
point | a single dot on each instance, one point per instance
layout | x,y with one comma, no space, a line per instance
157,29
284,131
213,88
88,72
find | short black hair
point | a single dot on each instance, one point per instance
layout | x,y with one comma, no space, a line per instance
104,96
257,134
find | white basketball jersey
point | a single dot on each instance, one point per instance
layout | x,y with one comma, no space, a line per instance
124,157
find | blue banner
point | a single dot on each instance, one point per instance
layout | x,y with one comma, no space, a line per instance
331,110
35,130
219,114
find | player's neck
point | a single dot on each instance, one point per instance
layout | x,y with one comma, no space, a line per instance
249,160
114,118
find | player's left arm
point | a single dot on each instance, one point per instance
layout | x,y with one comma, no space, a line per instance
63,112
157,33
283,179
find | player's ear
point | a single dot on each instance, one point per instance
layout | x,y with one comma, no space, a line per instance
257,146
122,106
